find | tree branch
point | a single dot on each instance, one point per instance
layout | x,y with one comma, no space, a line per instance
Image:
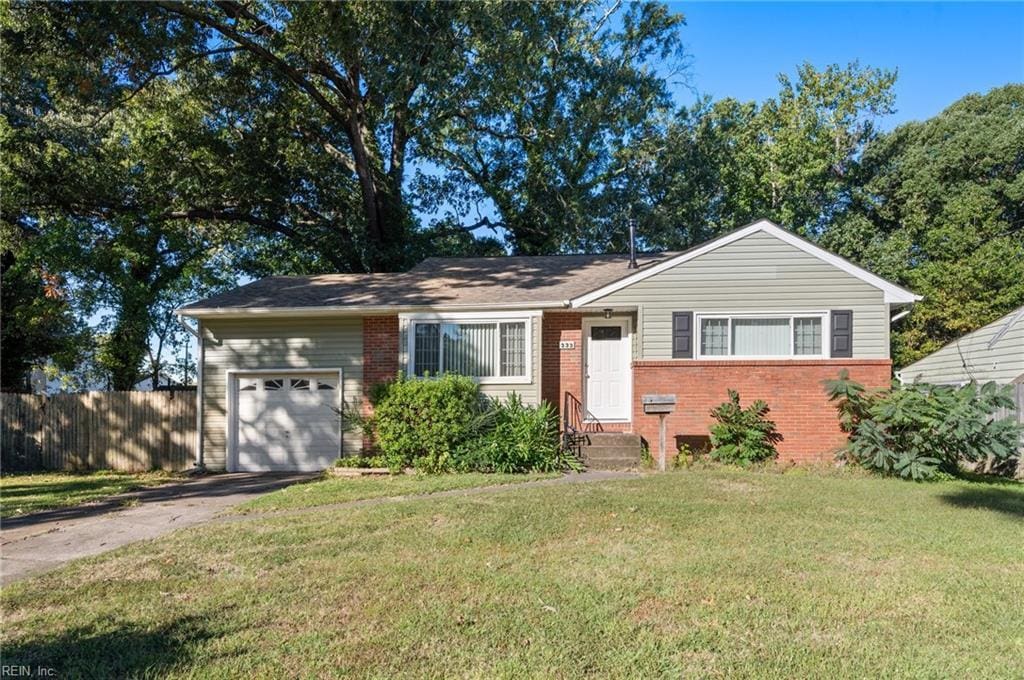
289,71
166,72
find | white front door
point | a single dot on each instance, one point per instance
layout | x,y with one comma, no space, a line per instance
609,384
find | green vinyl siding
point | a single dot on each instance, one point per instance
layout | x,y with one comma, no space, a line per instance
970,357
258,344
758,273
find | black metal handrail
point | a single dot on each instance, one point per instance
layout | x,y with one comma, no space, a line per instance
576,423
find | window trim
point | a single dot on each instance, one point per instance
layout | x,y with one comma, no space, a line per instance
497,318
698,335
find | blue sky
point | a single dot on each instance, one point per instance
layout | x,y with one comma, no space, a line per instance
941,50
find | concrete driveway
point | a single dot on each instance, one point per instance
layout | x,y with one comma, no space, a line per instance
42,541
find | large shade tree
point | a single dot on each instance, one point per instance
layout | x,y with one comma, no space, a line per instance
940,207
149,140
323,108
717,165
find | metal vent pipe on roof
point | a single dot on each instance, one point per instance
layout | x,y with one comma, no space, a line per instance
632,243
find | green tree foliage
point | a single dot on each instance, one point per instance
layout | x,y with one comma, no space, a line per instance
158,139
743,435
94,190
719,165
36,323
552,104
317,109
917,430
940,208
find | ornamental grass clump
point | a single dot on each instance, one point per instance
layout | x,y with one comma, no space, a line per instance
920,431
515,437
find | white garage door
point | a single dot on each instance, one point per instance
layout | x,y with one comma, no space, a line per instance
287,422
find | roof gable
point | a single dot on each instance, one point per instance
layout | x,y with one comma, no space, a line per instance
893,294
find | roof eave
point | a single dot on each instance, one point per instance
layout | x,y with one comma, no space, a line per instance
353,310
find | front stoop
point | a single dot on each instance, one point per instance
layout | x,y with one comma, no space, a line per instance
611,450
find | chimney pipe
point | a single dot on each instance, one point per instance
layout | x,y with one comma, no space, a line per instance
632,244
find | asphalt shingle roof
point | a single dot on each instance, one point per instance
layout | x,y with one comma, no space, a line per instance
438,282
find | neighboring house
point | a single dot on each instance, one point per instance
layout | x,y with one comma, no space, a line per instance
759,310
992,353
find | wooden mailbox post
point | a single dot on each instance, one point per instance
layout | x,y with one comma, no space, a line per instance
661,404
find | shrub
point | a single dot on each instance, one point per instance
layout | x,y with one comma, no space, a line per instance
422,422
919,431
361,462
743,435
513,437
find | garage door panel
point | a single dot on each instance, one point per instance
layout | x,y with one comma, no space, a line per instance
287,423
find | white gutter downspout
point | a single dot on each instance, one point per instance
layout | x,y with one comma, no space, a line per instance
200,360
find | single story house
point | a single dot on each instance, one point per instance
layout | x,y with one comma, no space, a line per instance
759,310
994,352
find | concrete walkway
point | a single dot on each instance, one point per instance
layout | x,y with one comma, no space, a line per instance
42,541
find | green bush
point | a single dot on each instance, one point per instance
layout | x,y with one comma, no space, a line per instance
361,462
513,437
420,423
920,431
743,435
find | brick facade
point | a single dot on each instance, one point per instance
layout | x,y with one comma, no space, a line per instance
561,370
380,357
792,388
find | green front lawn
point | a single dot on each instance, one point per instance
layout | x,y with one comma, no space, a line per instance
694,573
333,490
21,494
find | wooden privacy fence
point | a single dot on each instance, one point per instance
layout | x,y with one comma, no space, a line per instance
131,431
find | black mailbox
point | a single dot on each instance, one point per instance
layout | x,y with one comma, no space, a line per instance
659,403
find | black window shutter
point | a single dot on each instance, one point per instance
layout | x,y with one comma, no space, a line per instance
682,335
842,333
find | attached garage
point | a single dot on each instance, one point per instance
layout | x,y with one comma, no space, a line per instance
284,420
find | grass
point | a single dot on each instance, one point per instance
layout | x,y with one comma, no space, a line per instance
21,494
700,573
333,490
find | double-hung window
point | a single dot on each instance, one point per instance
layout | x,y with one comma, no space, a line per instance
491,350
762,335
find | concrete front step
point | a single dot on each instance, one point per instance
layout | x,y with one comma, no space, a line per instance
626,463
611,450
611,439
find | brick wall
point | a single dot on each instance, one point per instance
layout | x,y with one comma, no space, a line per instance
561,370
380,357
793,390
